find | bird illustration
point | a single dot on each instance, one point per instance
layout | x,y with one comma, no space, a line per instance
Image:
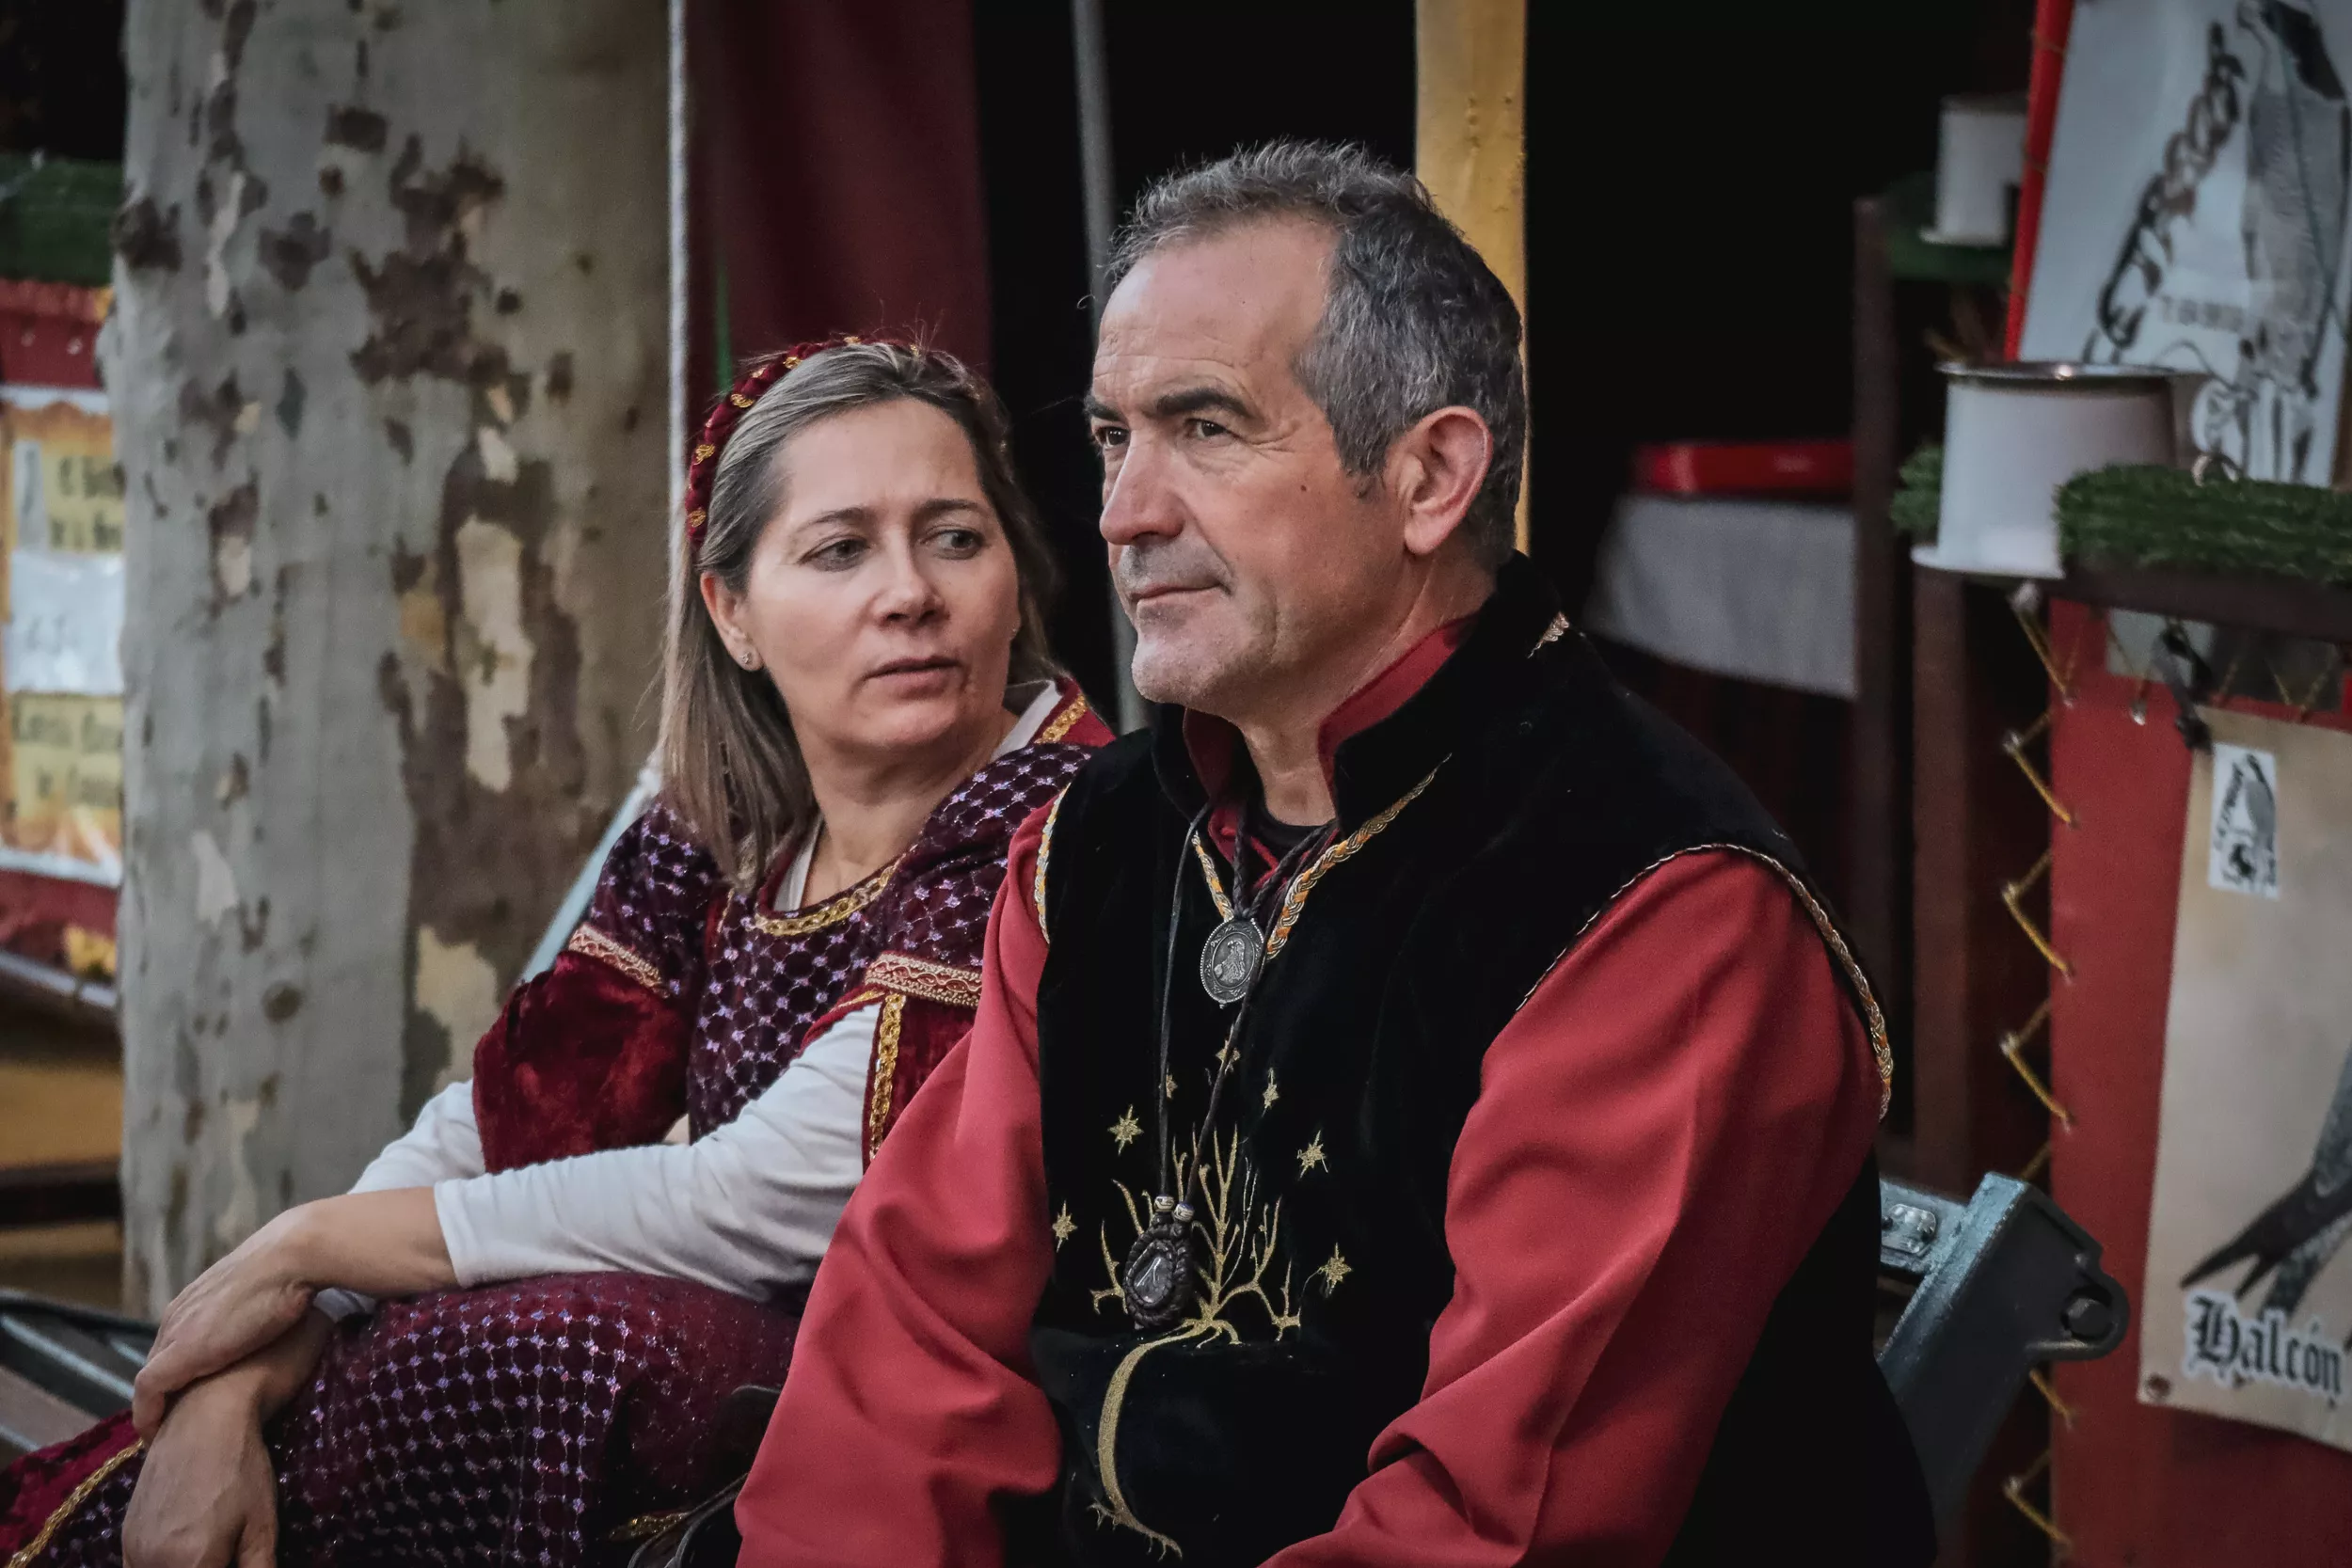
2297,1235
2249,803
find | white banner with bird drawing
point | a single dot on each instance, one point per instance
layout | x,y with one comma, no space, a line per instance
2247,1301
2197,215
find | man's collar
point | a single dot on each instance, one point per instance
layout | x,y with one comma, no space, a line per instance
1395,728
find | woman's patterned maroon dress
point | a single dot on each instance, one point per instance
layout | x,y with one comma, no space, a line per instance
523,1422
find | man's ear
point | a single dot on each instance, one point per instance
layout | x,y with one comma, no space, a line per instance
1436,469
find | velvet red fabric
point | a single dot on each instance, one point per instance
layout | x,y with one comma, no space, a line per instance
34,1488
582,1058
928,1030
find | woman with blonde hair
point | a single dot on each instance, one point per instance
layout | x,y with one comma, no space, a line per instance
511,1335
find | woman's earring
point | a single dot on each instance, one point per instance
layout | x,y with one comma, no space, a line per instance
751,659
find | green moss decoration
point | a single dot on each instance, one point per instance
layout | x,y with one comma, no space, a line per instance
2142,515
1918,496
2145,514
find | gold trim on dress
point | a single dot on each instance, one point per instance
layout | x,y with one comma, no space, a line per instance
74,1499
1044,847
933,982
832,913
1061,723
589,942
1882,1053
857,996
886,1069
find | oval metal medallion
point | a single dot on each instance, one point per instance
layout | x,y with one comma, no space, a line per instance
1229,959
1158,1281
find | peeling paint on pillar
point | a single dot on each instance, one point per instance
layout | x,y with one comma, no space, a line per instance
497,685
351,289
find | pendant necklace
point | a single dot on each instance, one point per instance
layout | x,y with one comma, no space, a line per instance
1237,949
1160,1279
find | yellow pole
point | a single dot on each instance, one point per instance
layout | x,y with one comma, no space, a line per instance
1470,145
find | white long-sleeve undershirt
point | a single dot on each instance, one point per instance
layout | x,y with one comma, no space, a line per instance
749,1208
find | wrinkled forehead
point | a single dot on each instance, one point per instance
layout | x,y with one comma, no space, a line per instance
1237,305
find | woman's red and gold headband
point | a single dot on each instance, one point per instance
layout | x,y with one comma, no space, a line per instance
701,462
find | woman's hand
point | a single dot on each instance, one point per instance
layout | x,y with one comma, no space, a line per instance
239,1305
207,1496
384,1243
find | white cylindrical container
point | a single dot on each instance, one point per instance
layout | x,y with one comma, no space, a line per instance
2013,434
1980,160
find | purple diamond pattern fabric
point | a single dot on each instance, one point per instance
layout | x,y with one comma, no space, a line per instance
762,991
490,1426
520,1423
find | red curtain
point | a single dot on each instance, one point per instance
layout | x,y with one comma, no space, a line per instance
836,176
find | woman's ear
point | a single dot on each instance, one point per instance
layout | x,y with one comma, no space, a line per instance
726,608
1437,469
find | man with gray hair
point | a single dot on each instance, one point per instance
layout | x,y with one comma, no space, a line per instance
1418,1111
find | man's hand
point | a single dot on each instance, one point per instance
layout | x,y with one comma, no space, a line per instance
207,1497
238,1306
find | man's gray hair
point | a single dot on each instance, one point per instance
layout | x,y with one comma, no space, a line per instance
1414,319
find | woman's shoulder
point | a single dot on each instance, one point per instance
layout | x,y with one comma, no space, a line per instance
984,812
658,875
661,844
936,906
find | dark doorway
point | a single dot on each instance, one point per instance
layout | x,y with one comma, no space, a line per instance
1186,85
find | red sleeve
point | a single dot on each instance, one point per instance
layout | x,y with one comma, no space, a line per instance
911,1405
587,1056
591,1054
1689,1095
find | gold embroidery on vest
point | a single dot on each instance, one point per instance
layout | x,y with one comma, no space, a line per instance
1126,1130
1334,1270
1044,847
1241,1240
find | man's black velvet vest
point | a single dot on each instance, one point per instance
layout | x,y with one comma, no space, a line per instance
1320,1191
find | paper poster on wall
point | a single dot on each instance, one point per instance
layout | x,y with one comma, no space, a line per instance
2196,214
66,758
63,490
2247,1300
2243,852
64,631
61,508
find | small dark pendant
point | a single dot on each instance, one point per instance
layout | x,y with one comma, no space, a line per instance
1158,1282
1229,959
